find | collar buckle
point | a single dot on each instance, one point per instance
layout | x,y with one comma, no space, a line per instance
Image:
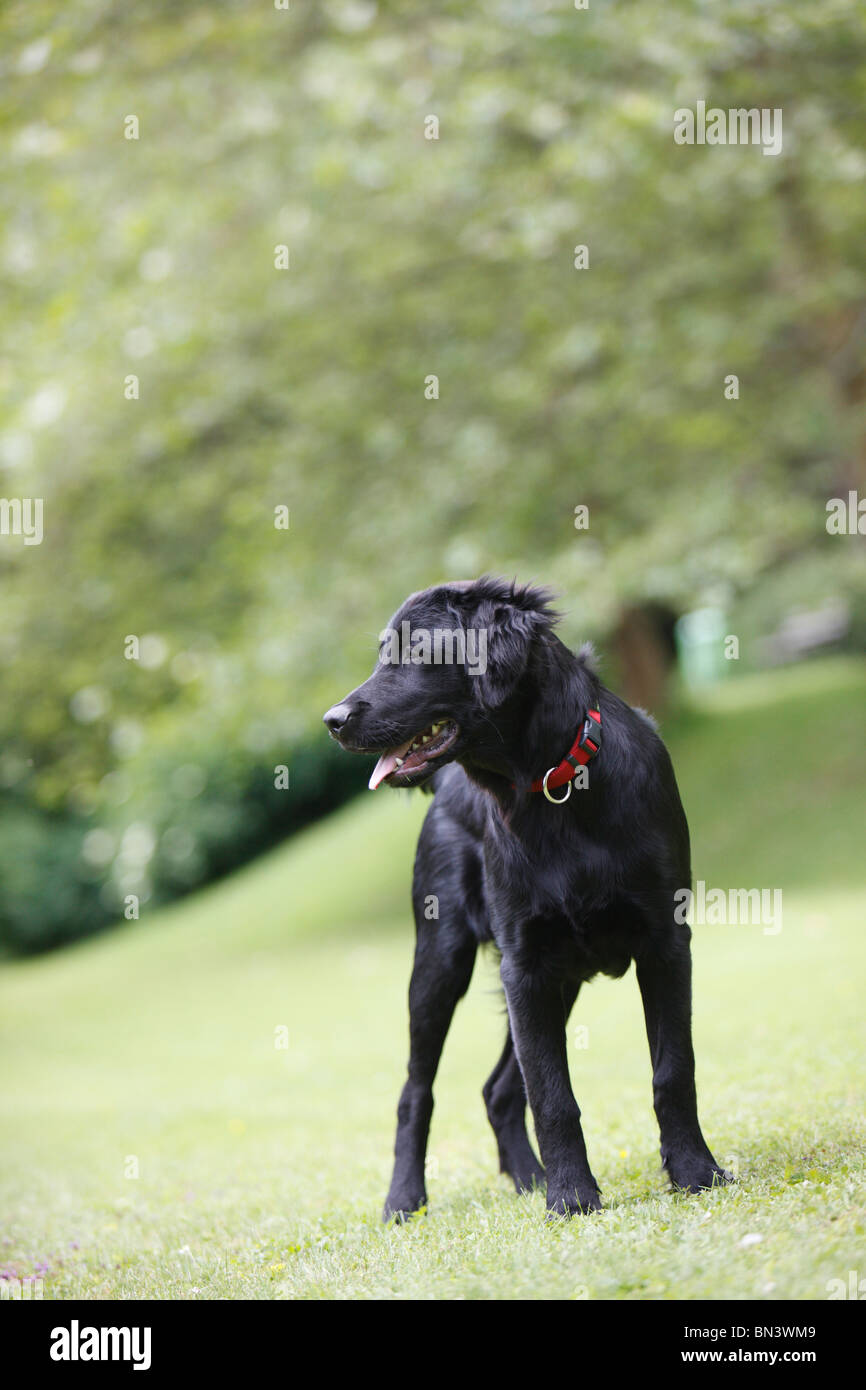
589,742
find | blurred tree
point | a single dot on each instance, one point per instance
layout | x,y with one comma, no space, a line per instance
165,385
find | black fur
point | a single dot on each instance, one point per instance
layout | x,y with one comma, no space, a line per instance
563,891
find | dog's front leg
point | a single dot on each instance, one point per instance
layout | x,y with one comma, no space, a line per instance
665,978
444,957
537,1013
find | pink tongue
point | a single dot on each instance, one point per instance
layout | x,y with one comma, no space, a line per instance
388,764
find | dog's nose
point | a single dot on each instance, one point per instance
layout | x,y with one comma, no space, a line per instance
336,717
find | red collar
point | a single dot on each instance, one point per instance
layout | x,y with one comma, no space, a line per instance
582,751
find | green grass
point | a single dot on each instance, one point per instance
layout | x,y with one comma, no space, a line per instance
262,1170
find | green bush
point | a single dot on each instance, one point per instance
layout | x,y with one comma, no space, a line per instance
67,876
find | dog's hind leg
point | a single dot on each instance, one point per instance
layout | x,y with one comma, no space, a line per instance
444,958
505,1098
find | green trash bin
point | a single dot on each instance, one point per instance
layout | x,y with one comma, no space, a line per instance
700,638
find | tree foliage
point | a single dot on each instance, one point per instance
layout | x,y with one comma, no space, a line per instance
409,258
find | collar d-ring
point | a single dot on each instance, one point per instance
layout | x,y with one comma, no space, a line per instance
557,800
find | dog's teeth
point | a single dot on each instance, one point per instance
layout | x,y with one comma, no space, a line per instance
399,762
425,738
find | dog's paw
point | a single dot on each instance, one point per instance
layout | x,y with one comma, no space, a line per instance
400,1208
528,1179
697,1174
572,1201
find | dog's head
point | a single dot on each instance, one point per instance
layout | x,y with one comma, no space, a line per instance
450,661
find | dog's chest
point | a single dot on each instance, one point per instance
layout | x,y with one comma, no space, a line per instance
570,914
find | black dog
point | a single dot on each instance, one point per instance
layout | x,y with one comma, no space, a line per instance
563,890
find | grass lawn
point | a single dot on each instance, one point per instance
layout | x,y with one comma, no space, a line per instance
262,1168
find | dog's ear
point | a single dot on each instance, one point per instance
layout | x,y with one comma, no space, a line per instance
510,632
